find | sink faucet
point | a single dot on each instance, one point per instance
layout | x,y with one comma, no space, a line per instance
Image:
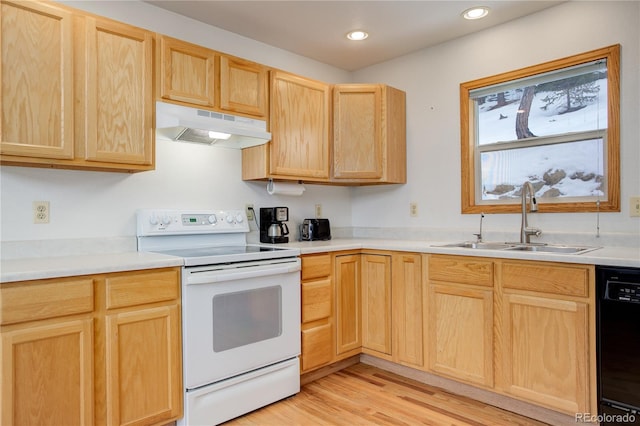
525,231
479,235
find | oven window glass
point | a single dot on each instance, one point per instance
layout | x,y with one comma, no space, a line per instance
246,317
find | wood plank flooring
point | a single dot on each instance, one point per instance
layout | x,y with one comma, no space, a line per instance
366,395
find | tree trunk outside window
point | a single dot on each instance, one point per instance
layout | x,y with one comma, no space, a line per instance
522,120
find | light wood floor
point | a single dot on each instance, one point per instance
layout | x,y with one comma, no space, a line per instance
366,395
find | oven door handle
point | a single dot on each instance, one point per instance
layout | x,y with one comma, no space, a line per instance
222,275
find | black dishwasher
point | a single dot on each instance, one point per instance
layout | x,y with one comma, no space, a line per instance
618,340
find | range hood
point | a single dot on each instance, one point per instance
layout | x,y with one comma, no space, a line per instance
181,123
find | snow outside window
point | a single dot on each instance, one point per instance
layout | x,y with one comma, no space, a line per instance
551,128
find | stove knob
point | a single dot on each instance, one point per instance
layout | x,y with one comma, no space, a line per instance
229,218
239,218
166,220
213,219
153,219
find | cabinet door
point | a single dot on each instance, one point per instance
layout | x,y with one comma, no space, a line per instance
118,104
348,303
186,72
299,127
407,297
37,87
243,86
460,338
376,303
144,368
546,351
47,374
357,133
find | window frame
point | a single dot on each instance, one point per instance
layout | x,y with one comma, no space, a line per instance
611,148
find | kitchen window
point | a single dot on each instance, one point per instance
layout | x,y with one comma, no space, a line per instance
555,124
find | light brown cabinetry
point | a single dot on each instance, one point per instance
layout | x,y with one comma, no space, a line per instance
186,72
317,312
37,80
103,349
116,112
407,309
362,142
77,90
348,304
47,352
243,86
369,134
142,354
376,303
203,78
299,148
460,318
546,347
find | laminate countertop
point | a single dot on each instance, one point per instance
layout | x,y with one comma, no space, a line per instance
24,269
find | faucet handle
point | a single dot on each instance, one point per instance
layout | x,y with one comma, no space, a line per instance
478,237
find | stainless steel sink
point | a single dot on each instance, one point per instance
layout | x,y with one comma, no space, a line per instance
542,248
481,245
550,248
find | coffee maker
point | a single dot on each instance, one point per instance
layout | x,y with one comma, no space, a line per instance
272,226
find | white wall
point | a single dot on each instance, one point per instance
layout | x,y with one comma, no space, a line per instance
96,204
431,79
102,204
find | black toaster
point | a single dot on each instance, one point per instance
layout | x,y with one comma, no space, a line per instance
315,229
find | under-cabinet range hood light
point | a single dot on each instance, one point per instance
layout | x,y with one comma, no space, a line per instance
181,123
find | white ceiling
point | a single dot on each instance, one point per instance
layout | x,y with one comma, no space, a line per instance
317,29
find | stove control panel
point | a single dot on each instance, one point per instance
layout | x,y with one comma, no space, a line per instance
175,222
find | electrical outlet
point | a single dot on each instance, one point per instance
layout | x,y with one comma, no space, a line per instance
249,209
318,210
41,212
413,209
634,206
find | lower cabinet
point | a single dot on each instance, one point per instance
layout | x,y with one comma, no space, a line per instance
546,354
348,305
376,303
460,318
103,349
317,312
407,297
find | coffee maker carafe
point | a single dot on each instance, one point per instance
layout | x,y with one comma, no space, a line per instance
272,226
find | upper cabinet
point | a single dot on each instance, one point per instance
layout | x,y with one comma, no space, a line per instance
37,81
185,72
76,90
362,142
243,86
299,127
203,78
116,112
369,134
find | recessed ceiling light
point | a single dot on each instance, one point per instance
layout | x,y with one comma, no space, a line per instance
476,12
357,35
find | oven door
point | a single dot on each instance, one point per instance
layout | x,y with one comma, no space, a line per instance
238,318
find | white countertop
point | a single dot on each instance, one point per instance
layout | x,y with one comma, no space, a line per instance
64,266
609,256
23,269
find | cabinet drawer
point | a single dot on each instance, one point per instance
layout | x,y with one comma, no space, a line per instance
570,280
460,269
140,288
316,300
316,346
316,266
32,301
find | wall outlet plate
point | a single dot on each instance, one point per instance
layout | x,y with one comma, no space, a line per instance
249,210
634,206
41,212
413,209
